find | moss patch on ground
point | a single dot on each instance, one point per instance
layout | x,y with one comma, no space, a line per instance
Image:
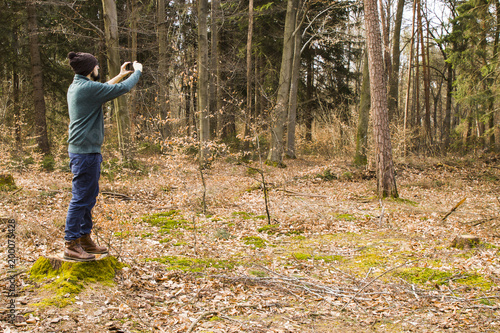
254,241
435,277
71,277
248,216
193,264
270,229
167,221
325,258
7,183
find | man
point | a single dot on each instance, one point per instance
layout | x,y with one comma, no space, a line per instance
86,133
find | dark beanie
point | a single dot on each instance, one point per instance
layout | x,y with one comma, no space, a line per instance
82,63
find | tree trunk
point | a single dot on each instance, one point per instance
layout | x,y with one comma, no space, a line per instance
427,116
364,116
214,67
408,83
279,114
309,94
16,107
292,112
37,76
120,104
394,77
248,113
386,181
202,84
134,18
385,34
163,91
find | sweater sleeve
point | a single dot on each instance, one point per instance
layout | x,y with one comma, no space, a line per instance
105,92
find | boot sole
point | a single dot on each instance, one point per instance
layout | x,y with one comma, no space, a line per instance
78,260
96,252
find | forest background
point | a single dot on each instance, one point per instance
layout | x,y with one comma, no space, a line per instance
440,65
249,155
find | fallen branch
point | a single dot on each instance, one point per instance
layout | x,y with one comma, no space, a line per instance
118,195
200,317
376,278
453,209
298,194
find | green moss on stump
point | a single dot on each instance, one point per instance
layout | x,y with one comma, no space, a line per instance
69,278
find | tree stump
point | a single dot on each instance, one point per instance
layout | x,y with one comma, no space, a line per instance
67,278
465,242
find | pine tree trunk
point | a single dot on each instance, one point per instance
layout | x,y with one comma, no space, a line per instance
202,84
37,76
386,181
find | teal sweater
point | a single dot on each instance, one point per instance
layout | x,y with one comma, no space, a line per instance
86,121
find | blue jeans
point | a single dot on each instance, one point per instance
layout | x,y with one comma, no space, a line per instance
86,169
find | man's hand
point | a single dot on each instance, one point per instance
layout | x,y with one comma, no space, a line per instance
137,66
124,71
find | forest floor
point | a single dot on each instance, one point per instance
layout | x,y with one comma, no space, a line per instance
333,259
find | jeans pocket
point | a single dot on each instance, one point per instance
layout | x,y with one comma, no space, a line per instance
78,162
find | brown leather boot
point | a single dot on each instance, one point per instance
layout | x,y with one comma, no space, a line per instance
74,251
90,247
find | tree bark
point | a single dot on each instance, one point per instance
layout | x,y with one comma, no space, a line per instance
292,108
408,83
309,94
248,113
134,17
202,84
214,67
37,77
364,116
385,34
121,111
396,52
163,91
427,115
279,114
386,181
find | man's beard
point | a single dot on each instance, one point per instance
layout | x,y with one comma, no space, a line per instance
95,77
